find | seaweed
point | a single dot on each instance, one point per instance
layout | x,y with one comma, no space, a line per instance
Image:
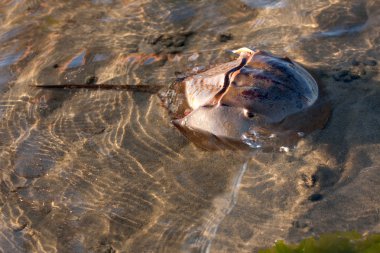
340,242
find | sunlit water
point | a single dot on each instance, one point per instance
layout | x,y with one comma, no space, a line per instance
105,171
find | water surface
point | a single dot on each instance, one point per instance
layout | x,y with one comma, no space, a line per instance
105,171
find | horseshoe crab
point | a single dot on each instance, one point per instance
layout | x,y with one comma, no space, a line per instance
258,100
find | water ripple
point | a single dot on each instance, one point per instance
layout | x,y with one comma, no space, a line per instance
105,171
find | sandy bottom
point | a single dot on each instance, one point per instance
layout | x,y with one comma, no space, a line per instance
105,171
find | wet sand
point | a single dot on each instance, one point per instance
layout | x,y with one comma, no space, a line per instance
105,171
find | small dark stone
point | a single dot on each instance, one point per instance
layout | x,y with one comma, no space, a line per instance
250,115
224,37
315,197
24,98
354,77
154,40
343,73
168,42
247,114
56,66
178,73
172,43
179,42
340,75
370,62
326,177
347,75
245,233
299,224
91,80
355,62
104,241
314,179
350,78
99,130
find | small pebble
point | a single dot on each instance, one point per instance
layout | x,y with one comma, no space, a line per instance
347,75
315,197
354,77
193,57
56,66
355,62
91,80
370,62
198,69
340,75
284,149
343,73
299,224
301,134
224,37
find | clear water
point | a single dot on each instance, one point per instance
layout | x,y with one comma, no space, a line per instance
105,171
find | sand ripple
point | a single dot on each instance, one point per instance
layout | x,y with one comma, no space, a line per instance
105,171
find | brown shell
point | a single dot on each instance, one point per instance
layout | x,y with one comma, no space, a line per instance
252,96
271,86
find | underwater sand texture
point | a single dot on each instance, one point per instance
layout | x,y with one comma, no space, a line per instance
105,171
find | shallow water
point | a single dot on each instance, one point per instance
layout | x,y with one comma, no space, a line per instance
105,171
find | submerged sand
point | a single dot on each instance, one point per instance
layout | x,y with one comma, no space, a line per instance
105,171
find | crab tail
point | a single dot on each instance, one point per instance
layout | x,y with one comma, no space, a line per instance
103,86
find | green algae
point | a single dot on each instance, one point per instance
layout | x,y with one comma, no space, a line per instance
340,242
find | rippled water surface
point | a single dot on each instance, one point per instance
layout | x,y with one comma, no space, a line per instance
105,171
